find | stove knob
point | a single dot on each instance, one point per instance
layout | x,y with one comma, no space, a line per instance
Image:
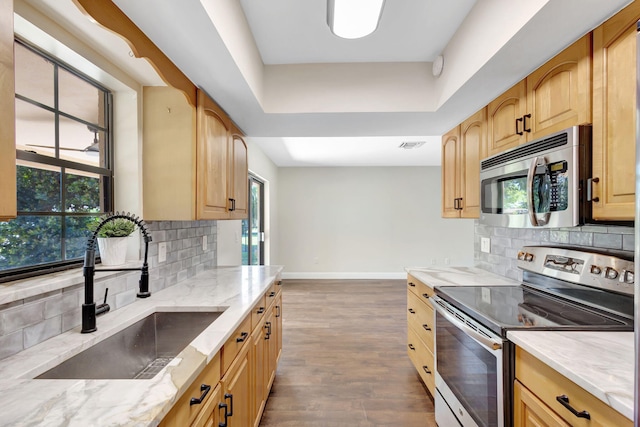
528,257
610,273
627,276
521,256
595,270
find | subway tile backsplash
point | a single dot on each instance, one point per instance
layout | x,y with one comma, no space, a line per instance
506,242
30,321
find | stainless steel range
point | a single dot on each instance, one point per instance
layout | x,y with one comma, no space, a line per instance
564,288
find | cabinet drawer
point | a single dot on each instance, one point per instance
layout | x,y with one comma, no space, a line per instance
420,318
422,358
420,289
271,294
547,384
258,311
183,413
234,344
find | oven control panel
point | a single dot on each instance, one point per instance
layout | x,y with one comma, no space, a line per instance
594,269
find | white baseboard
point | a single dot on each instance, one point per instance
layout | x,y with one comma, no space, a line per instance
344,275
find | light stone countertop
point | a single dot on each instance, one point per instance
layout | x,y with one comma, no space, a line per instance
599,362
29,402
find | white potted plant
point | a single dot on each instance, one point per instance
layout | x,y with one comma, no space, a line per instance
112,240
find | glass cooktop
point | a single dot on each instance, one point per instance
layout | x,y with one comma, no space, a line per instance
501,308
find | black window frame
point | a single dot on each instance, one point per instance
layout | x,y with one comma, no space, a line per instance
106,173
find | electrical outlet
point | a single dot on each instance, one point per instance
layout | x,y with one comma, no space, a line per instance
204,243
486,295
485,245
162,251
315,260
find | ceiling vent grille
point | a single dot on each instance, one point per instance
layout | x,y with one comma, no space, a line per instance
410,145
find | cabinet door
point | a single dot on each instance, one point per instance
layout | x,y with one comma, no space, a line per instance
450,184
278,327
212,162
614,108
8,192
258,363
240,178
209,416
529,411
503,114
272,345
559,92
473,139
236,385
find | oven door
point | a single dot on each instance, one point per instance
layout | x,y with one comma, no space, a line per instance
469,378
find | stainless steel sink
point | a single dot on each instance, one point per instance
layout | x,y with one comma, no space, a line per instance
138,352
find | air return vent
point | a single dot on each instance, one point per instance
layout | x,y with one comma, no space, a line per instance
410,145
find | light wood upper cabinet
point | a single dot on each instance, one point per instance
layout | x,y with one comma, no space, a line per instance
450,176
505,119
239,184
559,92
8,195
473,141
212,150
194,159
614,122
462,150
554,97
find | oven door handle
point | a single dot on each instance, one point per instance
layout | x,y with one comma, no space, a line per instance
486,341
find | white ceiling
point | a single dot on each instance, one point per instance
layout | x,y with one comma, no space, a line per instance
308,98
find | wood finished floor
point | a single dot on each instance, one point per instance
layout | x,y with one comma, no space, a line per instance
344,361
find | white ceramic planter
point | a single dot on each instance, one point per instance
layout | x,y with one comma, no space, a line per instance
113,250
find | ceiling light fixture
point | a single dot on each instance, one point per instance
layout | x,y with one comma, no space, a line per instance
353,19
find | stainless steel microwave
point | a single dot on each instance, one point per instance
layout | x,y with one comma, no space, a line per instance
543,183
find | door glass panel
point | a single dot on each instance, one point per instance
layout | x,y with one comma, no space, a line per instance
253,227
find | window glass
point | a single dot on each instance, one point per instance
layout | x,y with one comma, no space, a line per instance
36,77
79,98
35,129
64,172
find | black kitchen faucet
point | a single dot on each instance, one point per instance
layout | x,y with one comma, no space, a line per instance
89,308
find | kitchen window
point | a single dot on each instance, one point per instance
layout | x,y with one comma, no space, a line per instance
64,165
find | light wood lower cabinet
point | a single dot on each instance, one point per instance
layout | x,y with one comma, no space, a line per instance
421,331
234,387
539,393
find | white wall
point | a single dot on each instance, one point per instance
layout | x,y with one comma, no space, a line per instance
366,222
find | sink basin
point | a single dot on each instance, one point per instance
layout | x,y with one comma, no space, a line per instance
138,352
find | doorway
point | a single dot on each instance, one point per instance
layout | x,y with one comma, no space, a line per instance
253,227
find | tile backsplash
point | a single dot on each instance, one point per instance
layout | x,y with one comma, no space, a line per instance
506,242
27,322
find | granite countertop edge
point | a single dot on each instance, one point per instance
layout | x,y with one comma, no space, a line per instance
38,402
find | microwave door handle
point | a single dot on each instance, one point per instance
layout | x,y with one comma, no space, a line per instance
530,205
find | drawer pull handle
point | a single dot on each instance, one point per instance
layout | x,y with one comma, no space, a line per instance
278,311
243,336
205,390
411,347
426,369
412,311
413,285
230,397
564,401
267,326
426,296
426,327
226,414
260,310
272,294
